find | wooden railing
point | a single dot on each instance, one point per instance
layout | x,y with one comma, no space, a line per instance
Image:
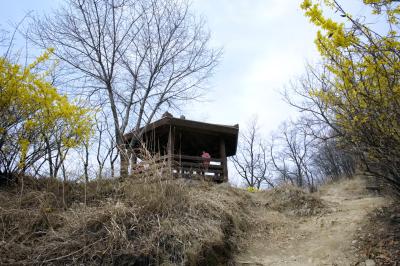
185,166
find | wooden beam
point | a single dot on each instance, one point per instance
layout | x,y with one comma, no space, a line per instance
222,152
170,146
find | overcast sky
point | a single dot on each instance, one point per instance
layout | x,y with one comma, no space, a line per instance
265,42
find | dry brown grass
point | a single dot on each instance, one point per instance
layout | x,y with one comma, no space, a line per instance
128,223
293,201
345,188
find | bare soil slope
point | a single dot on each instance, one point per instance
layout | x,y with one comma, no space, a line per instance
323,237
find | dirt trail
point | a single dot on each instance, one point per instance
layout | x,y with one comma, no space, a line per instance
325,239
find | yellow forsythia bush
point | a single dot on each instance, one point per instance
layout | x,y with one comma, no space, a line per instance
358,90
252,189
32,111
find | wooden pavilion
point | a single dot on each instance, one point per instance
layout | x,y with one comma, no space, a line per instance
179,144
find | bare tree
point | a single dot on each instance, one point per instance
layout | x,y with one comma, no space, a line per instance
317,117
103,147
291,155
334,160
251,161
88,36
332,156
137,57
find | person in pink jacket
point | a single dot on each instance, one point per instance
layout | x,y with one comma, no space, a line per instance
206,160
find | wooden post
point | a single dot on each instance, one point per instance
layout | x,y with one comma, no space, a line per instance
170,148
224,162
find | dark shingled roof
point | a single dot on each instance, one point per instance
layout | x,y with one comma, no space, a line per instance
191,137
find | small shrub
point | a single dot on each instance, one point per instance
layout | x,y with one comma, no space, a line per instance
252,189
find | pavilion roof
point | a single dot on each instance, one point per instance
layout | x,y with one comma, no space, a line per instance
197,135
